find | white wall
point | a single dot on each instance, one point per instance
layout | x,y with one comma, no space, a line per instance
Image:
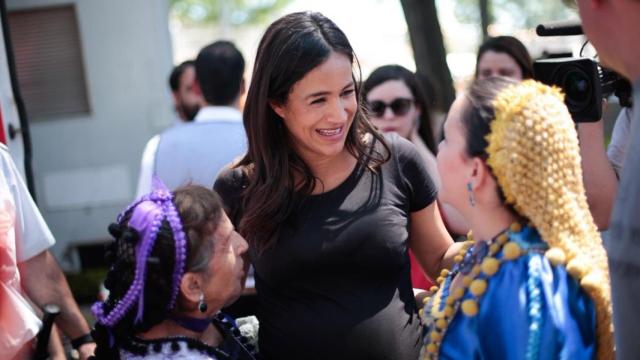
86,166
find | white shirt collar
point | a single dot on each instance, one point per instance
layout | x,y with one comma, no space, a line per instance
217,113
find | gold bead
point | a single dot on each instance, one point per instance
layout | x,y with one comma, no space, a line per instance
449,301
475,270
441,323
433,289
511,251
503,238
457,258
470,236
556,256
494,248
432,348
490,266
470,307
426,300
421,313
448,311
466,281
478,287
440,279
444,272
457,293
515,227
435,336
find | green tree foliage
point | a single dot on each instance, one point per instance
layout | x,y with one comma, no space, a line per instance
520,13
233,12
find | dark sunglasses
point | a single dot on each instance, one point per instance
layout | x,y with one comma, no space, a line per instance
399,107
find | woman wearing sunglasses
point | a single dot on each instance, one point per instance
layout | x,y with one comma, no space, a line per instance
396,103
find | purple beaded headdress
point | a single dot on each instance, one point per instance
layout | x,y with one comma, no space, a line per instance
146,217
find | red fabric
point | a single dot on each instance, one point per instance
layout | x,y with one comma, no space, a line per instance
418,279
3,138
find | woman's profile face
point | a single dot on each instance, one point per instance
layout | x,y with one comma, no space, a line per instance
494,63
226,268
454,165
320,108
392,108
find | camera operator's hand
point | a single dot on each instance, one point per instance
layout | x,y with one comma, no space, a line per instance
600,181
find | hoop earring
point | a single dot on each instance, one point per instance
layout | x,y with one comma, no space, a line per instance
472,198
202,306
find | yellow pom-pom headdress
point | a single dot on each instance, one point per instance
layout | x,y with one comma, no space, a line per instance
534,155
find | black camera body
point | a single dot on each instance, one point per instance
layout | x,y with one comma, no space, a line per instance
579,79
583,81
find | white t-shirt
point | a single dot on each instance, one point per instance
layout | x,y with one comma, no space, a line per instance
23,235
617,150
194,152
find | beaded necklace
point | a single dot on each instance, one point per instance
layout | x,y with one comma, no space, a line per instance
474,259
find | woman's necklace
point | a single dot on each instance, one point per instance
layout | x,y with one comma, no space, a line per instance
476,264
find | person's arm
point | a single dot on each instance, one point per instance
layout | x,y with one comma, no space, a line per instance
44,283
600,181
430,242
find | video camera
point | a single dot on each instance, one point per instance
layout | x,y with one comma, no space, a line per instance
584,81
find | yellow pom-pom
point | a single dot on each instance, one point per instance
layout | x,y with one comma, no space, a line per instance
511,251
449,301
457,293
556,256
448,311
435,336
432,348
515,227
494,248
466,281
577,269
490,266
478,287
475,270
441,323
470,307
502,239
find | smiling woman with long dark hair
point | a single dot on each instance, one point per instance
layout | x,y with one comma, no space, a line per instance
328,205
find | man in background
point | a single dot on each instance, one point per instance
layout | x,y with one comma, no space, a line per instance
195,152
187,101
612,27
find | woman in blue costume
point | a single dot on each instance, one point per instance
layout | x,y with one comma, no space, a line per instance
533,283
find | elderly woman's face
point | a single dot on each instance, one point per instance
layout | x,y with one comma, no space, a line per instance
454,165
226,267
493,63
320,109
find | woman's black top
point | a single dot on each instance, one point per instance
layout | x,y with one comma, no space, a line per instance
336,284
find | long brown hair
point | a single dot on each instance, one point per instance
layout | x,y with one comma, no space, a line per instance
291,47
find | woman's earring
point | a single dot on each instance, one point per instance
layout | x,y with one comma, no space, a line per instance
202,306
472,198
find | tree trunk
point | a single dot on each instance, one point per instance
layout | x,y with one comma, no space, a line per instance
429,52
485,18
